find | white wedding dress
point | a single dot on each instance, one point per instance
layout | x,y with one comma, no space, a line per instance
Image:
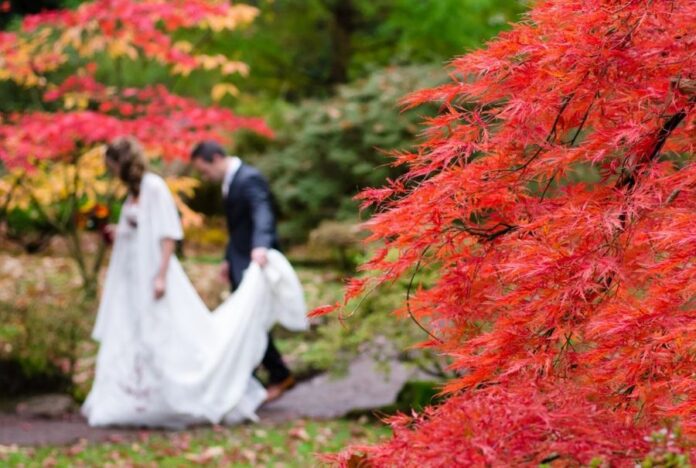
171,362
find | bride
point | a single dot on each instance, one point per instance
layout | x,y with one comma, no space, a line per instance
164,359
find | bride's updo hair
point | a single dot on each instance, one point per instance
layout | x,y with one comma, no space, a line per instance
128,154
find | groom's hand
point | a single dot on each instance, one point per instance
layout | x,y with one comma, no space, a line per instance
260,256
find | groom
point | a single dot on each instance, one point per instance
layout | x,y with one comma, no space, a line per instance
252,231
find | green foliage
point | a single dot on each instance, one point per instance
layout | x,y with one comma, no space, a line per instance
666,450
43,329
424,31
445,28
332,344
298,49
414,396
327,150
339,242
27,229
287,48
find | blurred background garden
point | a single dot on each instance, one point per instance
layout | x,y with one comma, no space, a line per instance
321,82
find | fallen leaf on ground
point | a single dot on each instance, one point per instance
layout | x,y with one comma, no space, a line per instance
299,433
206,455
249,455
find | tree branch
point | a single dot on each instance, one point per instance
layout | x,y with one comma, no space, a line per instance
628,178
489,234
408,299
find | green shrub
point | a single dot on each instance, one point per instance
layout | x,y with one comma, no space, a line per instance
44,329
364,328
327,150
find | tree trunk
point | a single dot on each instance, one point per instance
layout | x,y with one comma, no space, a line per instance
343,22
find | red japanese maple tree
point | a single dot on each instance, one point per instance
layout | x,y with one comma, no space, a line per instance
555,196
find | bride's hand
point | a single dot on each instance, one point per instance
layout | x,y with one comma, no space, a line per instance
160,287
109,232
225,271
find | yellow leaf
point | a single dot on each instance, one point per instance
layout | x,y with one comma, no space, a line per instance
238,15
220,90
231,67
183,70
183,46
185,186
208,62
118,48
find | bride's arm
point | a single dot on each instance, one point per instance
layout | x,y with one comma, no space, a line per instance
167,227
168,246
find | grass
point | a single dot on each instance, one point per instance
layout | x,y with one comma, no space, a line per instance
278,445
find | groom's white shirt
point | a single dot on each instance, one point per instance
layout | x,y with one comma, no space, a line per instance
233,165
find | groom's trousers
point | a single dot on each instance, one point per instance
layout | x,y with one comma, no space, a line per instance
272,360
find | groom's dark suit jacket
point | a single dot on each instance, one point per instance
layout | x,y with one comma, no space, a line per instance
250,219
251,223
